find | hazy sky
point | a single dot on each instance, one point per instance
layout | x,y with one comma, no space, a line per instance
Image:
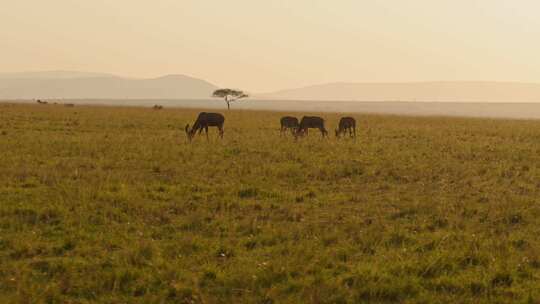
265,45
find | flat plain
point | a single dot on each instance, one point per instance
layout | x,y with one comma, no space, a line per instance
113,205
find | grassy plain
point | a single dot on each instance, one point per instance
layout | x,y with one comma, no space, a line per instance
113,205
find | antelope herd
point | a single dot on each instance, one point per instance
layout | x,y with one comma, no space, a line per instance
43,102
288,123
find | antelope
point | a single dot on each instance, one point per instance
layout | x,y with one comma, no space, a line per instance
346,123
158,107
205,120
41,101
288,122
311,122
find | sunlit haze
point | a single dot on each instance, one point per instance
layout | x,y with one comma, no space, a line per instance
268,45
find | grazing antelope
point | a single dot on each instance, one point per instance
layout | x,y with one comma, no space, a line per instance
158,107
205,120
311,122
346,123
288,122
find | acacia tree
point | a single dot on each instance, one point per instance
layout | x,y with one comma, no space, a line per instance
229,95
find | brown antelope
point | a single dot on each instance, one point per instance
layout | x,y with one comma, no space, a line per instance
158,107
288,123
346,123
205,120
311,122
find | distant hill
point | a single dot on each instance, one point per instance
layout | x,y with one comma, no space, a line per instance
420,91
80,85
85,85
53,75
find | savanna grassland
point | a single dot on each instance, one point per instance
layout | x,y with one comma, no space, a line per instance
112,205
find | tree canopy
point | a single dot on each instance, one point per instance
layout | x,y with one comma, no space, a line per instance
230,95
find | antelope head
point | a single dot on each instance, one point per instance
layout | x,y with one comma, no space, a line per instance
297,132
189,133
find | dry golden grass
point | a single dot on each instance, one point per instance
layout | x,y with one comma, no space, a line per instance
113,205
